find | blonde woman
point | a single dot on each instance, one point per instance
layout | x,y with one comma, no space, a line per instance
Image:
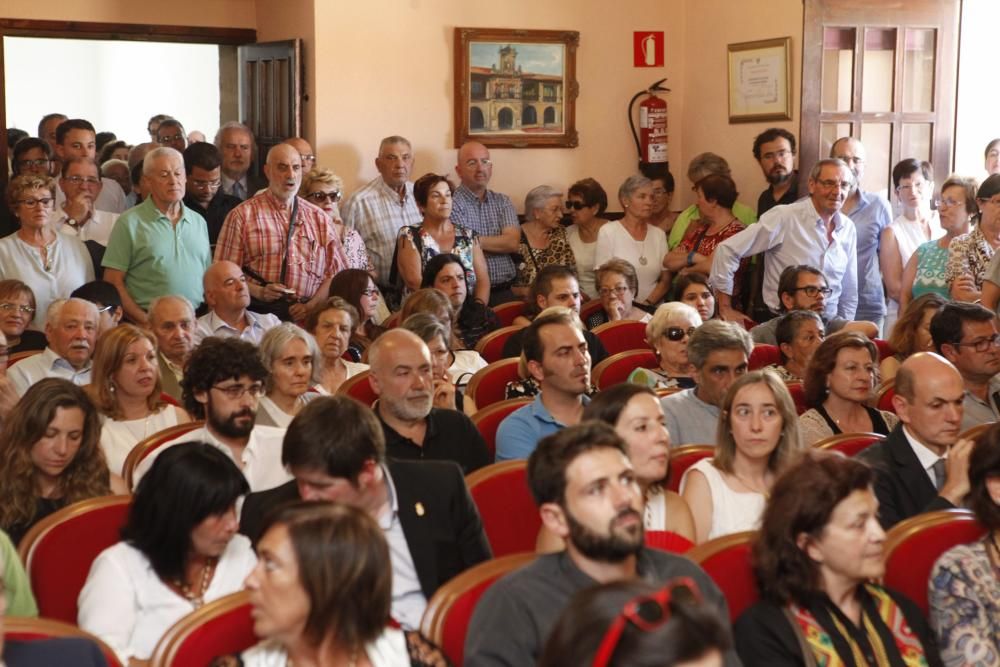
668,333
325,189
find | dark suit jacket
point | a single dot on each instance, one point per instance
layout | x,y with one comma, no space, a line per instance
901,484
440,521
75,651
170,384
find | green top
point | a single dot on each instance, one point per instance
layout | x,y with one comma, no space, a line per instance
743,213
20,600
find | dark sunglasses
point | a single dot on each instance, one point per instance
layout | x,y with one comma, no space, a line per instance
676,333
576,205
319,197
647,612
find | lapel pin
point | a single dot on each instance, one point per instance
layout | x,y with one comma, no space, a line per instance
419,507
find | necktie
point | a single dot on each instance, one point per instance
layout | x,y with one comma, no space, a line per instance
939,474
238,191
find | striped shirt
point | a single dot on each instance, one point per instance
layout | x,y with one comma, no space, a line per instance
255,234
488,217
378,214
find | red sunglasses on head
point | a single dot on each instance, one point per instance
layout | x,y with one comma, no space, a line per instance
646,612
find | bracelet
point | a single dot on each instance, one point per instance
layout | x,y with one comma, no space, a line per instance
690,259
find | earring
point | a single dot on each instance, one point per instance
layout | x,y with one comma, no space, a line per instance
111,388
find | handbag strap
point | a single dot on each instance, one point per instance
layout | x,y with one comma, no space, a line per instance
288,241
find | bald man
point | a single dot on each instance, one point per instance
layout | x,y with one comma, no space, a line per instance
923,465
286,278
228,298
414,429
306,153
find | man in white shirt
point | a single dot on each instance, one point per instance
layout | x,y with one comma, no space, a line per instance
76,138
79,215
224,380
227,297
71,329
811,231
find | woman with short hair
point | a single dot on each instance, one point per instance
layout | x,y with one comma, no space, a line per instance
586,203
331,323
321,187
798,333
17,309
617,285
543,238
293,362
667,332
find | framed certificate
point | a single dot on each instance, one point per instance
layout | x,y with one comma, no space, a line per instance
759,81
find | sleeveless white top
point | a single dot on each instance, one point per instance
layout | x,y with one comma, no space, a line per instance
655,516
119,437
732,511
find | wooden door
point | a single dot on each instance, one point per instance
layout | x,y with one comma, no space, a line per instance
270,84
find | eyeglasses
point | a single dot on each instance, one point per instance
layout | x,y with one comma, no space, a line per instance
483,161
647,612
830,184
982,344
41,162
812,290
991,200
236,391
677,333
7,307
576,205
370,292
167,140
79,180
207,185
307,158
946,203
31,202
104,309
618,291
850,160
781,155
320,197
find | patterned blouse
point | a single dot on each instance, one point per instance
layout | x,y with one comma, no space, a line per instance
968,254
354,248
932,265
534,260
463,248
964,597
697,240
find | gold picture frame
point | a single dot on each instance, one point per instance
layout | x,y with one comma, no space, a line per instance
760,81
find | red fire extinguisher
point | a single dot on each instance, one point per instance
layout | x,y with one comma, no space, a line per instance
651,140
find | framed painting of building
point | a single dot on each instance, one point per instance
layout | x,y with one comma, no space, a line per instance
516,88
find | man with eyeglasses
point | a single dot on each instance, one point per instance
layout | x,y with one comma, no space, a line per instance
171,133
109,304
966,335
810,231
223,385
306,153
228,298
71,330
76,138
79,215
203,165
774,150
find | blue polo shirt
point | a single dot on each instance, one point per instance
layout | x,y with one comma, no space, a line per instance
520,432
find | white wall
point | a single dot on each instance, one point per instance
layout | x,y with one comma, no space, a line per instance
978,95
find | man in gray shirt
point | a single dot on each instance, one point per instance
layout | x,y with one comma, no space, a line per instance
588,495
719,352
966,335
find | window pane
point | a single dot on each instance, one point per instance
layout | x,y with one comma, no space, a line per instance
877,139
916,141
838,69
878,65
918,70
829,133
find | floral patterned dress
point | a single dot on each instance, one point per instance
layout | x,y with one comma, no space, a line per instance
427,247
968,254
357,253
534,260
964,597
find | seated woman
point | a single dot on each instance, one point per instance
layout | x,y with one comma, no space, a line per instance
693,289
798,333
838,385
667,333
702,165
321,593
473,318
17,309
125,387
357,288
293,360
331,323
325,189
758,437
607,625
970,255
434,302
964,590
436,234
180,550
586,202
819,548
434,332
51,456
912,332
616,286
663,194
543,238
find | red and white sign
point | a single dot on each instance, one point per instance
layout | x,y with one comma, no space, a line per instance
647,49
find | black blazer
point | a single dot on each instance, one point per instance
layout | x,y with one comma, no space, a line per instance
75,651
901,484
440,521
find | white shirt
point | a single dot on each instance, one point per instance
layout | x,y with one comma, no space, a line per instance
211,324
126,604
353,368
119,437
97,228
795,234
467,362
45,364
926,457
69,267
613,240
261,459
112,197
388,650
408,601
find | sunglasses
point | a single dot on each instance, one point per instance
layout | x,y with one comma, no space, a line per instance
576,205
676,333
320,197
646,612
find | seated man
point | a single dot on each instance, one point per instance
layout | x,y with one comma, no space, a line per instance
109,304
227,297
803,287
966,335
587,494
71,329
556,356
171,319
922,466
335,450
222,386
719,352
401,376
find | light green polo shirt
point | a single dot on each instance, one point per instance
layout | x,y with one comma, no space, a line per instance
743,213
20,601
157,257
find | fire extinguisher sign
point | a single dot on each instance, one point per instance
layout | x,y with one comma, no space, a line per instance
647,48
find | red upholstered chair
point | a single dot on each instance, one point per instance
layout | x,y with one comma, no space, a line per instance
798,396
506,312
976,431
912,546
849,444
489,384
169,400
622,335
727,561
883,395
392,321
591,307
221,627
506,506
21,356
144,448
668,541
488,420
616,368
446,619
83,529
763,355
490,346
884,349
682,458
30,629
359,387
